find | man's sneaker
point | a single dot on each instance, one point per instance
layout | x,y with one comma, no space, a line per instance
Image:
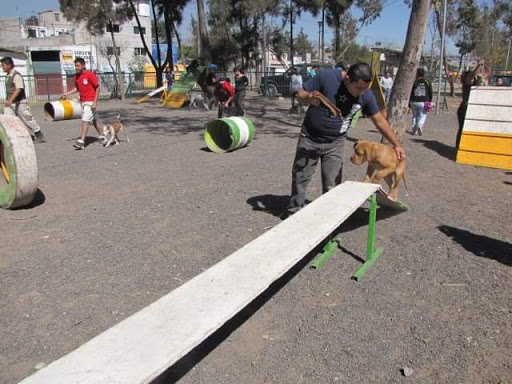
79,145
102,140
39,137
420,131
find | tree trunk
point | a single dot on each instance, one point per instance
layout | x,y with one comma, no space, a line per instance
178,40
203,33
169,22
445,58
159,80
157,38
411,55
120,82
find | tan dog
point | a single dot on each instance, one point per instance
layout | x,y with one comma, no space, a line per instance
383,159
113,130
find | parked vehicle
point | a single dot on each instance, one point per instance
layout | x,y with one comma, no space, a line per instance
279,84
506,80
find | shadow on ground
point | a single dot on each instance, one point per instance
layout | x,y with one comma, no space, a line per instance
265,116
442,149
479,245
39,199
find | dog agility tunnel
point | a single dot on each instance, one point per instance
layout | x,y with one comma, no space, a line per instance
228,134
63,110
18,163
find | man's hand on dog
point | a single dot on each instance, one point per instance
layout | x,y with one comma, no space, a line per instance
400,152
314,100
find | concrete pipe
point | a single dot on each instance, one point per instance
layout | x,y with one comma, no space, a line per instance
63,110
18,163
228,134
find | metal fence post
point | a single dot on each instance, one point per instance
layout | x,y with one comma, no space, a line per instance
48,87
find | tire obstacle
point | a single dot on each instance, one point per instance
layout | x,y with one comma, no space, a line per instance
18,163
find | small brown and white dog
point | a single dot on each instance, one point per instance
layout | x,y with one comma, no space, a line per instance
113,130
383,161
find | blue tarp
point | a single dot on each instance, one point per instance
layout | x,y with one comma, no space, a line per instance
163,52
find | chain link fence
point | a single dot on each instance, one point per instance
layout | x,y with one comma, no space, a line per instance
48,87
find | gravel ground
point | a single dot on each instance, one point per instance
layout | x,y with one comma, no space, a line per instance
114,229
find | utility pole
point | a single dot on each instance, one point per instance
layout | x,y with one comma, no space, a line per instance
441,59
319,41
291,31
323,26
508,51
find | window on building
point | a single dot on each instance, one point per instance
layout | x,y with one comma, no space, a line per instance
136,30
116,28
56,17
139,52
110,51
31,33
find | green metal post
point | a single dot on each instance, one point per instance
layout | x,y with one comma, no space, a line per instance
372,254
327,252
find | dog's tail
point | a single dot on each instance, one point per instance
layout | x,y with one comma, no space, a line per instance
119,118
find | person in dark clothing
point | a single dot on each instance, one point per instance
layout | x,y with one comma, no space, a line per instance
468,80
241,83
323,135
421,93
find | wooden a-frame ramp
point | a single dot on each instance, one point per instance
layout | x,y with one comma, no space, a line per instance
141,347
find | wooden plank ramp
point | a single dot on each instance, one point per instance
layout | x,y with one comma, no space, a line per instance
141,347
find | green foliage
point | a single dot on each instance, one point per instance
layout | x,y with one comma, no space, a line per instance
467,25
356,53
302,44
96,14
137,63
189,51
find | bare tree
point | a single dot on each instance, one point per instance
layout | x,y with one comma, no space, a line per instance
99,16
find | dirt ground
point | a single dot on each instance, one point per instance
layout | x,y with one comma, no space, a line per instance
114,229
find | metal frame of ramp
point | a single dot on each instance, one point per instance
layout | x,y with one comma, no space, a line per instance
380,198
141,347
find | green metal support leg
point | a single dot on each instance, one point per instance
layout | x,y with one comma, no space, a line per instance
372,254
327,252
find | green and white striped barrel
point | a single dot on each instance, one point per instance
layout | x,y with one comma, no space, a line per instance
228,134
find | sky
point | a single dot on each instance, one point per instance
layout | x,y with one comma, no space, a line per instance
389,29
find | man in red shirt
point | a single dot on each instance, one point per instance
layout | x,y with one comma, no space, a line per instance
87,85
224,92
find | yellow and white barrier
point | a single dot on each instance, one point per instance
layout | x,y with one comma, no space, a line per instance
63,110
487,133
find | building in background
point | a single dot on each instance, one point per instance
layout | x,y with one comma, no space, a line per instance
51,42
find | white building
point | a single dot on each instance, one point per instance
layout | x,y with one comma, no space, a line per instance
52,42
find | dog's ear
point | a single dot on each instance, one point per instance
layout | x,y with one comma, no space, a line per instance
369,151
356,143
